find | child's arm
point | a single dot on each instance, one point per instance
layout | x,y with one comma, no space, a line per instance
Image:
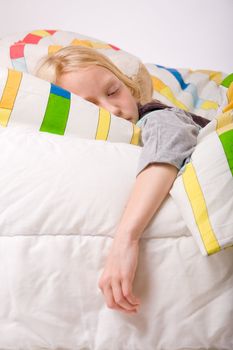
151,188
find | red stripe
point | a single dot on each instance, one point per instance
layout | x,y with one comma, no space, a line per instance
32,39
114,47
50,31
17,51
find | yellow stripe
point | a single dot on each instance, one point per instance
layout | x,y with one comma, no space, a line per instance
157,83
159,86
170,96
199,208
54,48
89,43
100,46
224,122
225,128
230,98
41,33
213,75
9,95
11,89
78,42
103,124
136,135
4,116
209,105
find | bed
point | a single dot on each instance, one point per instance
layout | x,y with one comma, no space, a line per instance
64,187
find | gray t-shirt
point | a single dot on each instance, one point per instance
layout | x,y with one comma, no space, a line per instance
168,136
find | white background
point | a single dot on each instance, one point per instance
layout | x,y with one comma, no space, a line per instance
175,33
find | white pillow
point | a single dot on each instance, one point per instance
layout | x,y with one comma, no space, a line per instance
66,185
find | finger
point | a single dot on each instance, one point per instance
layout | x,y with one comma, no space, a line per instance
119,297
107,291
128,294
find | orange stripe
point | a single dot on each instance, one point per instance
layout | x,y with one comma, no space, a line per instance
9,95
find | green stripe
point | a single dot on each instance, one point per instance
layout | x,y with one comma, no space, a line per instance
227,81
56,115
227,141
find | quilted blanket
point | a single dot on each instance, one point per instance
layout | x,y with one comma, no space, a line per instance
58,212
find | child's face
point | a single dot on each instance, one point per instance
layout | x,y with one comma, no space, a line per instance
100,86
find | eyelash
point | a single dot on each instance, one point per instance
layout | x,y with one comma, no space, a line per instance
114,92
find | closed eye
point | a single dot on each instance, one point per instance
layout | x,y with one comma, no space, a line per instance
114,92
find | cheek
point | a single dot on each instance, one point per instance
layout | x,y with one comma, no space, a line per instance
128,98
132,103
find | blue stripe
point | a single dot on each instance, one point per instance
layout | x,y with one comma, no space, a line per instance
57,90
177,75
189,87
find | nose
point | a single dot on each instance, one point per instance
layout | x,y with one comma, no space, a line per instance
112,108
116,111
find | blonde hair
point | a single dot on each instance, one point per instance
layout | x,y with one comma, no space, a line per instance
70,58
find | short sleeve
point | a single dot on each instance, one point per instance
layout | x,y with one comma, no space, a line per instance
168,136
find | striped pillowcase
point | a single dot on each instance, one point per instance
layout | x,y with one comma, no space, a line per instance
204,190
23,50
26,100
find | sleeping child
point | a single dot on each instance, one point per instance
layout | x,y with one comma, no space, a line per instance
168,135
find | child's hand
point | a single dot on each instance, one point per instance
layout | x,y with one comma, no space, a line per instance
117,278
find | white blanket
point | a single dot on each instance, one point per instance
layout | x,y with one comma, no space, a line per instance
58,214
